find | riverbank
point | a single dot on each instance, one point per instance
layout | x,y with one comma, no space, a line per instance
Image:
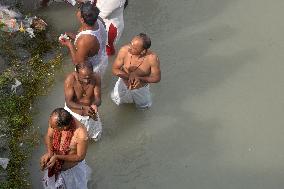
27,71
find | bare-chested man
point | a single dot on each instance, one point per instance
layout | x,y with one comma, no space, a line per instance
82,90
66,144
136,66
90,42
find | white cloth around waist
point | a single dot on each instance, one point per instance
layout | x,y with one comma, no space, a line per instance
141,97
76,177
93,127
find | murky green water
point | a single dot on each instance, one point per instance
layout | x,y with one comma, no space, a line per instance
217,117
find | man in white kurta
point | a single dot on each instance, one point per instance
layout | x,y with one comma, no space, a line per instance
111,11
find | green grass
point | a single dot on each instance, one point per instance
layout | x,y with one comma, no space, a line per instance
37,76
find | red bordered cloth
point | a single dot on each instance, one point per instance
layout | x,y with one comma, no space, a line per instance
55,170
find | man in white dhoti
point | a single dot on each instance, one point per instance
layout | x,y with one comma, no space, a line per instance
137,67
82,90
111,11
90,42
66,143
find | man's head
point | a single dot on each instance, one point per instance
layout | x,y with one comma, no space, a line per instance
139,44
84,72
60,119
88,13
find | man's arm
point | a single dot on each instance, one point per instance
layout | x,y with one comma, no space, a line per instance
48,143
48,140
84,45
69,93
97,90
155,75
118,63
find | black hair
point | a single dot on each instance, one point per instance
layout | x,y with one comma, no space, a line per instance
125,4
64,118
89,13
83,65
145,39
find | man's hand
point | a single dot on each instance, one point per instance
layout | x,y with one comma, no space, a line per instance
71,35
44,159
65,42
133,81
94,108
93,112
90,111
51,162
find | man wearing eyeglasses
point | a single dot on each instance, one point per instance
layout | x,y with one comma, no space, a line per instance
136,66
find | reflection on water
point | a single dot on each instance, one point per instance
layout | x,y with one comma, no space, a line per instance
216,120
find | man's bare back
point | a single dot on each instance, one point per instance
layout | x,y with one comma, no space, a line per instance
86,45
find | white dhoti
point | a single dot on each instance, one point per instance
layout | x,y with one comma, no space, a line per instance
94,128
74,178
141,97
111,11
102,66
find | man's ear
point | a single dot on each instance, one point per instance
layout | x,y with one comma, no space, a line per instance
144,52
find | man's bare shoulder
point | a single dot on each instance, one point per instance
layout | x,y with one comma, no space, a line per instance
70,77
87,39
124,50
153,58
81,131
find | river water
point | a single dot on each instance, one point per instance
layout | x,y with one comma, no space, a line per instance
217,117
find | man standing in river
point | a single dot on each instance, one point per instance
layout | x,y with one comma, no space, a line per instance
82,90
90,42
136,66
66,144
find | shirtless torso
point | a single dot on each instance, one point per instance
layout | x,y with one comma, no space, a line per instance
80,134
144,68
67,143
79,94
